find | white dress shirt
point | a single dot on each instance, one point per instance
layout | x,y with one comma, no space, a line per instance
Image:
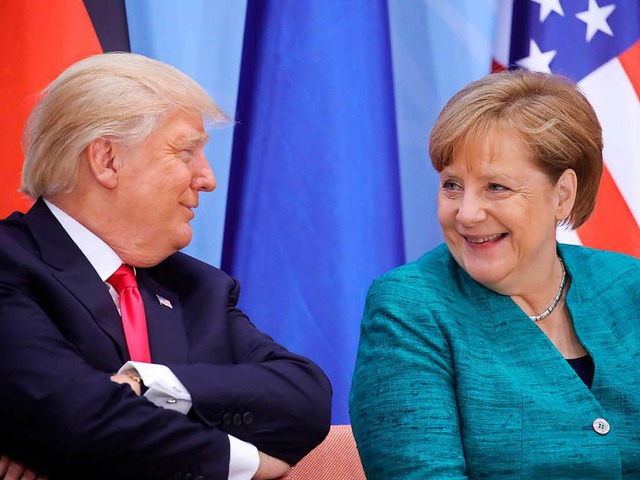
164,389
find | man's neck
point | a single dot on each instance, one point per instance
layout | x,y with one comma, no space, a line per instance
100,255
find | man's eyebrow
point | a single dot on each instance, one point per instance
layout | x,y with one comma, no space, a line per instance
193,140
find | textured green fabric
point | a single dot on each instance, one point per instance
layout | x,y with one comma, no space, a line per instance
454,381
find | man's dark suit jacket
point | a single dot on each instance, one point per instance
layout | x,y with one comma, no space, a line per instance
61,337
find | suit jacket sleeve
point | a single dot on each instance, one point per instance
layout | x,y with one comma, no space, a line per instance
276,400
403,400
61,337
63,417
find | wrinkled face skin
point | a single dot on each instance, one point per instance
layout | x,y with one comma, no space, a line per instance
498,213
158,186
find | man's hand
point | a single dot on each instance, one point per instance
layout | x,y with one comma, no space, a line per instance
12,470
271,468
124,378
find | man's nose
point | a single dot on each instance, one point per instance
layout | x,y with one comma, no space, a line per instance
203,178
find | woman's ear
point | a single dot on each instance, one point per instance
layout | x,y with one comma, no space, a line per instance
566,189
101,161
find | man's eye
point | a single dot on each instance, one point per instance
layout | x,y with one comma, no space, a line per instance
186,154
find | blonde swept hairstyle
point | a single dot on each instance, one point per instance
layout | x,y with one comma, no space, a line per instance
119,96
548,112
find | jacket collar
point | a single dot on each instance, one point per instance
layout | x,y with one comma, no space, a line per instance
72,269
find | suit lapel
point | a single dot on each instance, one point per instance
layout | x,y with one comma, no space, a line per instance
73,270
167,337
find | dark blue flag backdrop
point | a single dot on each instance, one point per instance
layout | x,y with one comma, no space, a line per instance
313,212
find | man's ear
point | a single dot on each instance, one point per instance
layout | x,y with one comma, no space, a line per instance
566,188
101,161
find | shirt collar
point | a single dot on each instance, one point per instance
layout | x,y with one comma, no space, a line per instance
100,255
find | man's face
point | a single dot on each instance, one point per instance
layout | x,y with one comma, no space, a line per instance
157,191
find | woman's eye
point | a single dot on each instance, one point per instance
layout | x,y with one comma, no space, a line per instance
496,187
450,185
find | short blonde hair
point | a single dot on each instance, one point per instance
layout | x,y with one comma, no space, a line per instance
548,112
120,96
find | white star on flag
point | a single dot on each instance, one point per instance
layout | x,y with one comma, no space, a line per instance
548,6
537,61
596,19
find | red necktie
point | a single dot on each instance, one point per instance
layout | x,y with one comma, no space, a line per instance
134,320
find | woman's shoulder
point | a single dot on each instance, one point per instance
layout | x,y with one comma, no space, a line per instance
430,265
597,263
601,272
429,276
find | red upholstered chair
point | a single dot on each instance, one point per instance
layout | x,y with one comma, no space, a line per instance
336,458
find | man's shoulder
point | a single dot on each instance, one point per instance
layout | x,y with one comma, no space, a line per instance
16,240
182,260
184,268
12,225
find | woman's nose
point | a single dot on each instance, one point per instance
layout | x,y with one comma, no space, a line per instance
471,210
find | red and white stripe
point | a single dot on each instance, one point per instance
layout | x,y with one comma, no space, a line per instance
614,91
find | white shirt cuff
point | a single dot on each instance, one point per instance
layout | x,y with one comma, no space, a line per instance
164,388
243,459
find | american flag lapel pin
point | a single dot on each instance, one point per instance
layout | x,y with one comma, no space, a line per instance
164,302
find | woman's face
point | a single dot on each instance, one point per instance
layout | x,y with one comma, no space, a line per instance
498,212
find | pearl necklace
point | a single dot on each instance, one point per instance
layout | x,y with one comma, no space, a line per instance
556,299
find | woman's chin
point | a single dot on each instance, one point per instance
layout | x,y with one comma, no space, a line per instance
488,275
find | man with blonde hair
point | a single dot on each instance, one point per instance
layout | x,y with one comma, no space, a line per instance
92,283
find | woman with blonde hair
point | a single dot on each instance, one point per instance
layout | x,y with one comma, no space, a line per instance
503,354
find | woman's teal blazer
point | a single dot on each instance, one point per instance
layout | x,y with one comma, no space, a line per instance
453,380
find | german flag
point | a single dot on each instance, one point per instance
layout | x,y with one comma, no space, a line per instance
38,40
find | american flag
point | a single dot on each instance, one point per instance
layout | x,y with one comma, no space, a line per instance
163,301
597,44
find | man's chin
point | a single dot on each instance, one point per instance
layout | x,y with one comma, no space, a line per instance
184,239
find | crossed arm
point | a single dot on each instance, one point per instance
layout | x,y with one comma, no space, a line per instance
62,410
268,467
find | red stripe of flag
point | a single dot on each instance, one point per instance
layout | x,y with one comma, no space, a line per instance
497,66
630,61
38,40
612,225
